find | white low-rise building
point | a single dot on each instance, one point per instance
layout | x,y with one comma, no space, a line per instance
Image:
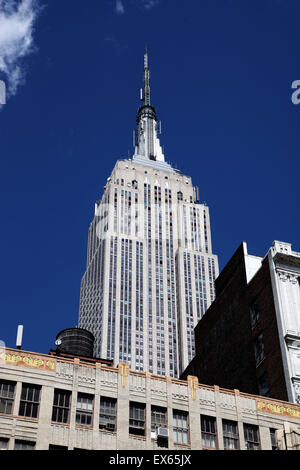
53,402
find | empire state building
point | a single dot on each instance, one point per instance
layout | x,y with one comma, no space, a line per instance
150,269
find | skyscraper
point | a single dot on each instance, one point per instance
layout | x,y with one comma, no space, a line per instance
150,269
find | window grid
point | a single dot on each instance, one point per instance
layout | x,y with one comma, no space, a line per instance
7,393
31,396
251,435
125,301
139,326
84,411
108,414
180,427
61,406
230,435
209,432
112,298
137,418
30,400
158,418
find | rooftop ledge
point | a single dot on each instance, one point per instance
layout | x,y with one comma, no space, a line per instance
29,359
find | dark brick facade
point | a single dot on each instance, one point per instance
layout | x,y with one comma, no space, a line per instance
260,288
225,337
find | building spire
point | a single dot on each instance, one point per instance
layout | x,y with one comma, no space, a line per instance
147,142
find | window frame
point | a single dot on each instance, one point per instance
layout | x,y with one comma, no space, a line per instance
231,437
30,444
6,398
249,442
28,403
158,411
178,427
273,438
4,440
84,413
108,416
141,418
208,434
64,408
259,349
254,313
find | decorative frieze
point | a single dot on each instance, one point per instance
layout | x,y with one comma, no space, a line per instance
64,370
206,397
297,392
287,277
86,375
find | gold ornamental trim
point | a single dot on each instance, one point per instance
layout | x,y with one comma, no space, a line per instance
124,371
277,409
27,360
193,384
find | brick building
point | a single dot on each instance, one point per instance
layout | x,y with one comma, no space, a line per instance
249,338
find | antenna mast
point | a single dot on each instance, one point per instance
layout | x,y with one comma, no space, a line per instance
146,80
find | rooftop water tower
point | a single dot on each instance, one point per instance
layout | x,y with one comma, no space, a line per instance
75,341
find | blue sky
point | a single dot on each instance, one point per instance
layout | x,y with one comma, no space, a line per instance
221,75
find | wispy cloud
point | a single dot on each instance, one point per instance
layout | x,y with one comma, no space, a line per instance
144,4
17,19
120,7
149,4
113,42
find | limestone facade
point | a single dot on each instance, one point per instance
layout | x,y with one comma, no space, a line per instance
226,409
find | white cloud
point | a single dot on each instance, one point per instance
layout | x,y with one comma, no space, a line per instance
120,7
17,20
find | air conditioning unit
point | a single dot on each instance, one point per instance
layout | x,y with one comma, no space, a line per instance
162,432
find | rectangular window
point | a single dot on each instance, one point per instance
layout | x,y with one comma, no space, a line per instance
24,445
61,406
254,313
230,435
137,418
158,418
263,385
180,427
30,400
273,438
259,349
208,432
3,443
108,414
251,435
84,409
7,393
